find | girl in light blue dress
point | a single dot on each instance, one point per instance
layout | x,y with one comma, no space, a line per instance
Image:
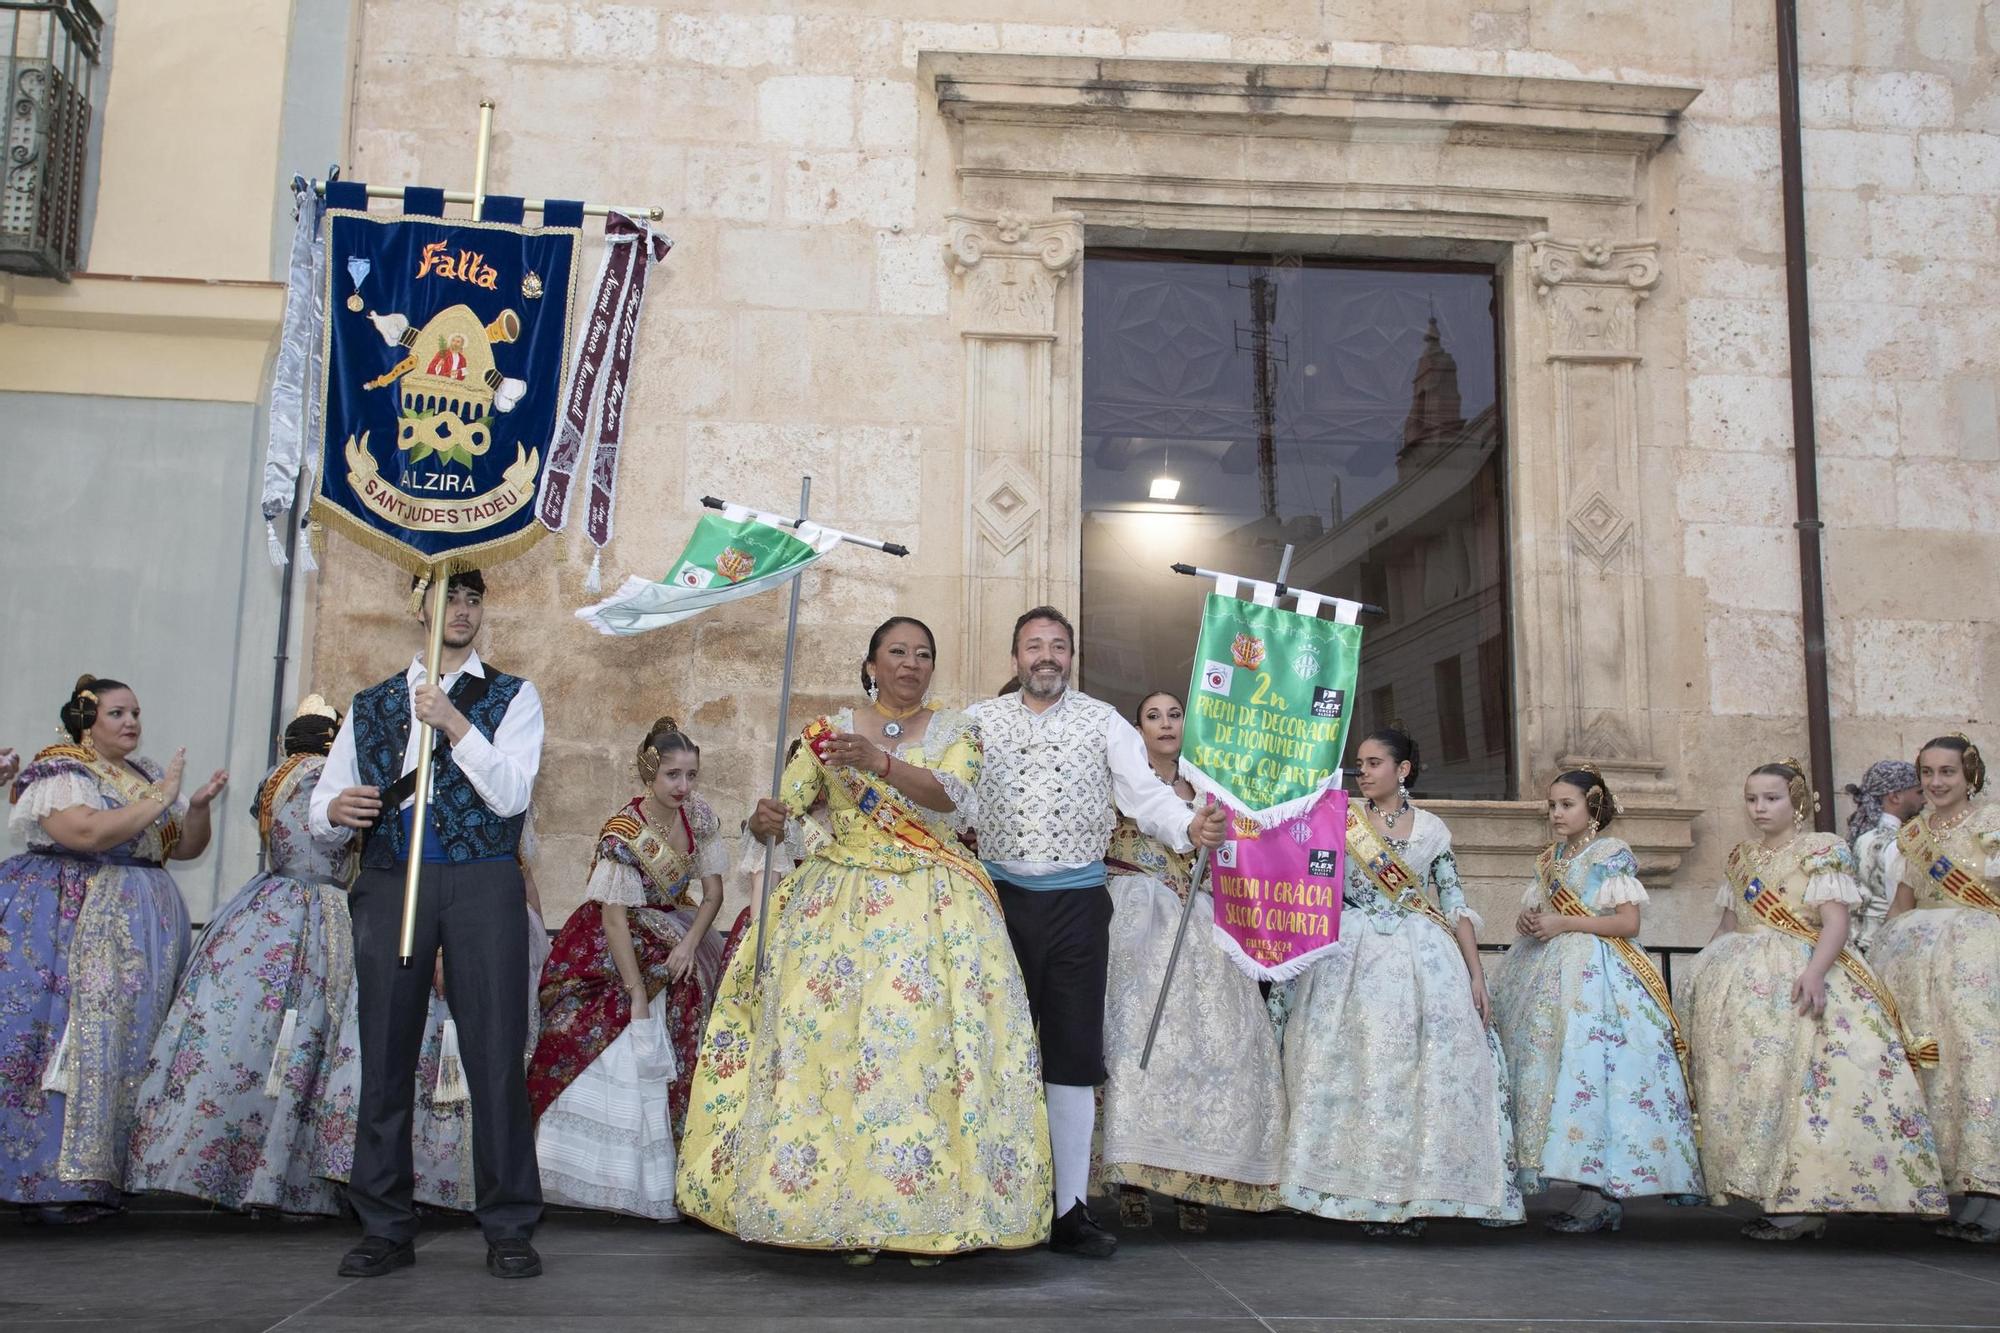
1600,1093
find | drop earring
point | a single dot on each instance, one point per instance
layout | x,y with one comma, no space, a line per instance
1592,834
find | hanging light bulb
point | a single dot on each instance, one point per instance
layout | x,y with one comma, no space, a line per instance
1166,486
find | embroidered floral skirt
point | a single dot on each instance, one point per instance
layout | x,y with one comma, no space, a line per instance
440,1132
1943,967
1598,1094
1398,1093
230,1105
882,1089
88,953
1802,1115
1205,1120
584,1006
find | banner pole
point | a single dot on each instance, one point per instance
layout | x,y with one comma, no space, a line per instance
421,801
1194,886
784,715
440,591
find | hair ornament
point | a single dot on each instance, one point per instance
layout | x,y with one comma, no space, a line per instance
1975,763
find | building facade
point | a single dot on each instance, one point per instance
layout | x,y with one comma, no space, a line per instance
1478,304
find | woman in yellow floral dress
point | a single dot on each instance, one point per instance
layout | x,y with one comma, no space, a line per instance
881,1088
1939,953
1808,1102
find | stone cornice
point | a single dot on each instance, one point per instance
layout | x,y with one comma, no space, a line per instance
1318,100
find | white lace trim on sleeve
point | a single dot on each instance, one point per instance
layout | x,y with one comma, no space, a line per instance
47,795
615,882
1621,889
711,854
1725,897
1459,914
1532,895
963,797
1834,886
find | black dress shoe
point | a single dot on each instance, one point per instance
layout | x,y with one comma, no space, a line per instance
513,1258
376,1255
1076,1232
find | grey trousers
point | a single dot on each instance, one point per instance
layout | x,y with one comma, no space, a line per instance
476,913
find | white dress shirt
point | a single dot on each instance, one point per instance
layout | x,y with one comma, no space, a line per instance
502,771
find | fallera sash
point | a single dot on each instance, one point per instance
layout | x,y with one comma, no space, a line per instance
885,806
1564,900
1386,870
1768,905
1953,880
130,786
661,860
277,791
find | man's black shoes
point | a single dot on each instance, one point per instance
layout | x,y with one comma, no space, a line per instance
1076,1232
513,1258
376,1256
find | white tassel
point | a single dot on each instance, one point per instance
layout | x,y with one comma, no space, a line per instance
60,1073
592,582
274,1082
308,565
451,1070
278,560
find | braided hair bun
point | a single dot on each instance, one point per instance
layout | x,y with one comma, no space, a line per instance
79,713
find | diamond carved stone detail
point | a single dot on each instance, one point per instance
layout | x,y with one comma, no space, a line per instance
1008,504
1599,526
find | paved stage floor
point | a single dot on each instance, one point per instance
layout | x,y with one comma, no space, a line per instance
165,1268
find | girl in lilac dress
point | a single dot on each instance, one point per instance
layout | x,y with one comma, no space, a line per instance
92,935
230,1105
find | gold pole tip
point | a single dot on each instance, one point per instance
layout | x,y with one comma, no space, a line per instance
485,104
655,213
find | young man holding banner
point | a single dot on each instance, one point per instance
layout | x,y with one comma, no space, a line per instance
472,903
1059,768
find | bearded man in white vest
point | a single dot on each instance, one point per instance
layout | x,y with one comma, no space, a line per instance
1060,767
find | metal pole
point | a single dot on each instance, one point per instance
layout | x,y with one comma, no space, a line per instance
420,807
1174,958
650,212
1194,887
479,162
784,727
440,588
1805,447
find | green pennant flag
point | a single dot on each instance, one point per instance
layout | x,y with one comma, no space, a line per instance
737,553
1268,706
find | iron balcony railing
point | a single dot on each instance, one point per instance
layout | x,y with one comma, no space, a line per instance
51,51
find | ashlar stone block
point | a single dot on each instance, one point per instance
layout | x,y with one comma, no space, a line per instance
614,33
813,110
879,190
812,269
734,41
1903,99
1755,664
910,276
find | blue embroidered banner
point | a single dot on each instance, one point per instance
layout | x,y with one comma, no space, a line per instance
446,345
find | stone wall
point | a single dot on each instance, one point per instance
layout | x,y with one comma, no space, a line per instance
808,320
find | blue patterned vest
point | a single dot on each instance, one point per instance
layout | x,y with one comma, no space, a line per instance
464,829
